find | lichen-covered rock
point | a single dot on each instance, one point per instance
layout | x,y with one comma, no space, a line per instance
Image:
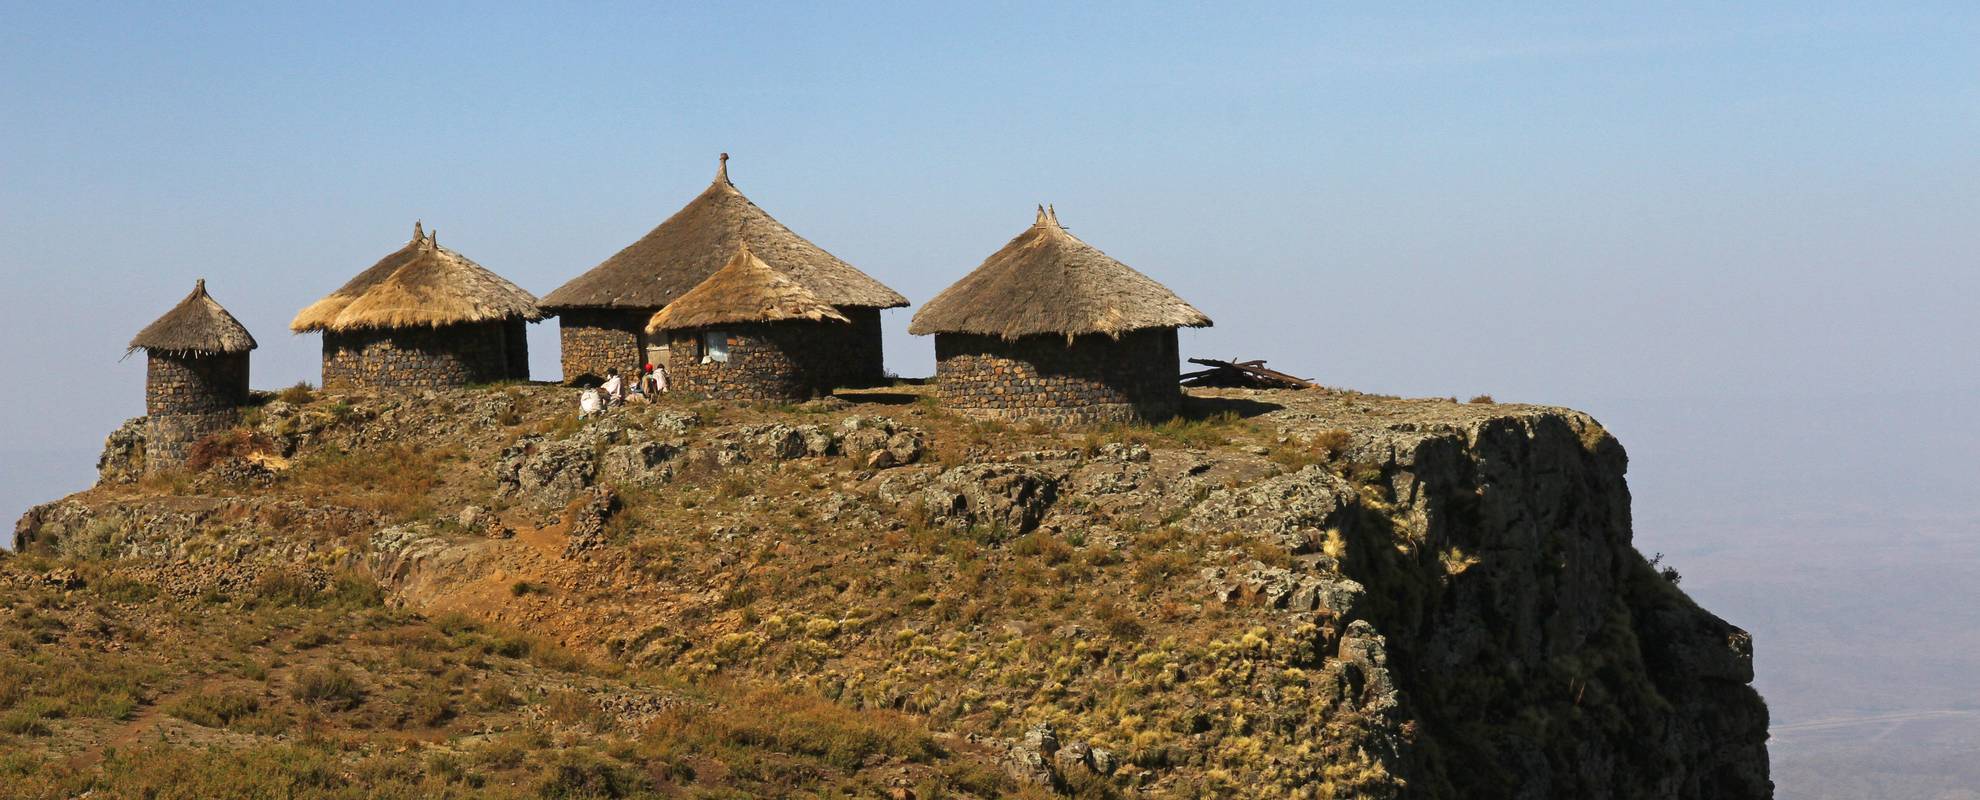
587,519
907,446
1292,510
1007,497
1029,760
544,473
122,460
637,464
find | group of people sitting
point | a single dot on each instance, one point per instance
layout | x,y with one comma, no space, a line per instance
614,391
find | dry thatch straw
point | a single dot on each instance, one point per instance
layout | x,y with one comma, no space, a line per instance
1047,281
196,326
698,240
744,290
419,284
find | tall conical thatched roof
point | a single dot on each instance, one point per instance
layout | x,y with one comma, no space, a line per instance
1048,281
197,325
419,284
744,290
697,240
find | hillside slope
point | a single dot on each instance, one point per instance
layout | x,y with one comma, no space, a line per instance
1307,594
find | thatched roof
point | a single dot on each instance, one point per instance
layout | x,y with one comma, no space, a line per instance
744,290
1048,281
697,240
421,284
197,325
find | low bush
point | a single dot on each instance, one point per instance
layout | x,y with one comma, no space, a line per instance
235,443
215,709
299,394
328,687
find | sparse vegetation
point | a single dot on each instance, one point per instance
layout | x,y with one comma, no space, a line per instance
756,625
300,394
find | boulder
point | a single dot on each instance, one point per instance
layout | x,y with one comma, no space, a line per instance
122,460
906,446
1011,497
546,474
587,518
638,464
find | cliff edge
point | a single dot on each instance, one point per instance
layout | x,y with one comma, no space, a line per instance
1300,594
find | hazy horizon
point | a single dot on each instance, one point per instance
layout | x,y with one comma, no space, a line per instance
1742,238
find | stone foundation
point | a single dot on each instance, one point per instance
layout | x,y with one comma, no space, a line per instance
187,398
1094,378
169,438
777,361
595,340
424,357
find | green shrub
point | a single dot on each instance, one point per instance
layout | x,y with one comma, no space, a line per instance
215,710
299,394
584,775
329,687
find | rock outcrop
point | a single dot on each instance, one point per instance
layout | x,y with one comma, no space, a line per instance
1317,594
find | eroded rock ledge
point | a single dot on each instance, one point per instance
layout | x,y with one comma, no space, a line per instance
1302,594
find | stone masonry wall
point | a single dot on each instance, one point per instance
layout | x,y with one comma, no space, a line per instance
194,384
169,438
863,362
595,340
423,357
1092,379
767,361
515,341
187,398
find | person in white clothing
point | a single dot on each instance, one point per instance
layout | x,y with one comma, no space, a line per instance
590,404
615,387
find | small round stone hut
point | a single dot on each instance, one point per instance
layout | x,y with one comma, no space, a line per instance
196,376
749,332
424,317
602,314
1049,328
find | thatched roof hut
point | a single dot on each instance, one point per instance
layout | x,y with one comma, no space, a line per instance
1051,329
698,240
1047,281
196,326
744,290
423,316
750,332
420,284
195,375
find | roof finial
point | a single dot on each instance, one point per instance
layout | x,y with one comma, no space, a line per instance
1052,215
433,238
418,231
199,286
722,172
1041,215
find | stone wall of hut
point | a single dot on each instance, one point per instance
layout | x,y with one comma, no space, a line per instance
777,361
597,340
515,344
862,362
187,398
424,357
1094,378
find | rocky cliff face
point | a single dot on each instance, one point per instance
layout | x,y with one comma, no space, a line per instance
1291,594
